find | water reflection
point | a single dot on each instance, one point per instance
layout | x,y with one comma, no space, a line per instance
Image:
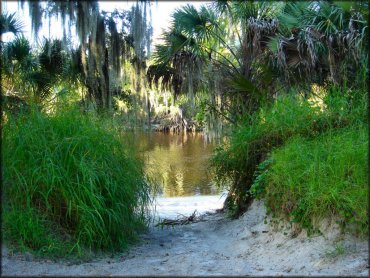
179,162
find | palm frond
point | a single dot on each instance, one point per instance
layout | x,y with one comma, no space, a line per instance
9,23
18,49
221,7
195,24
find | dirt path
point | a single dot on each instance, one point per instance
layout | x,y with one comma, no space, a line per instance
218,246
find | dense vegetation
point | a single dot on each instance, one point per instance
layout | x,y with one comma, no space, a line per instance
70,176
307,161
284,82
245,54
280,74
72,183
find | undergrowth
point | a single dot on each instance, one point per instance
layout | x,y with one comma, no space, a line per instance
71,185
315,179
244,161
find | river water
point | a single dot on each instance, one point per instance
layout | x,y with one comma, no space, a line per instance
179,165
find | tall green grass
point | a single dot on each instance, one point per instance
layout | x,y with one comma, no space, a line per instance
309,180
236,162
70,184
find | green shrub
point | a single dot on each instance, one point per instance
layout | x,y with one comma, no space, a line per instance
251,142
272,126
73,173
258,187
313,179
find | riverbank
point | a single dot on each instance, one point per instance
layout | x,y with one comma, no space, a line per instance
218,246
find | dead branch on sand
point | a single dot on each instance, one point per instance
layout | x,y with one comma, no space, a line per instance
181,221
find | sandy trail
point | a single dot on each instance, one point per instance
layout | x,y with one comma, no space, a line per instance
217,246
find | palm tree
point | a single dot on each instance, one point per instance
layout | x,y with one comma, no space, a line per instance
30,76
320,39
186,48
202,40
9,23
17,64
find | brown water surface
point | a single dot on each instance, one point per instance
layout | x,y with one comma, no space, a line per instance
179,162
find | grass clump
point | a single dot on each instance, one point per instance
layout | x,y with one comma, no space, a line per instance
70,184
314,179
337,251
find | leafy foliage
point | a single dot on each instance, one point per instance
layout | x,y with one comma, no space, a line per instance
272,45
